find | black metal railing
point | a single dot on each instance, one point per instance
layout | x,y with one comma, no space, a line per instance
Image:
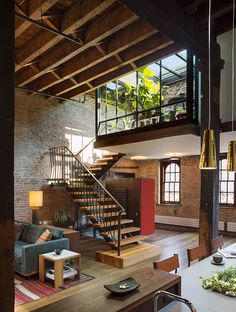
103,210
174,111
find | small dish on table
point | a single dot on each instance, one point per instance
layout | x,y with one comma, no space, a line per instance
123,287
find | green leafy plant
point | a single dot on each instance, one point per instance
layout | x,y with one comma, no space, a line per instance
64,217
222,282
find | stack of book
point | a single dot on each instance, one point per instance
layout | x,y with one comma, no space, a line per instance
67,272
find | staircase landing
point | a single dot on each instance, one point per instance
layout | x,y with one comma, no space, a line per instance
130,255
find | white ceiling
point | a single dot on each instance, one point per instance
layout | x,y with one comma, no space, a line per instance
182,145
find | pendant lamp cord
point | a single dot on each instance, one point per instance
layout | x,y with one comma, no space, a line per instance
209,65
233,62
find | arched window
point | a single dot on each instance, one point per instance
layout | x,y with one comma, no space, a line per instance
170,182
227,185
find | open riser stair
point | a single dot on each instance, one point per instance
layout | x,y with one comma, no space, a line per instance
103,211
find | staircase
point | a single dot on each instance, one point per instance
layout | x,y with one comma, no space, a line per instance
102,210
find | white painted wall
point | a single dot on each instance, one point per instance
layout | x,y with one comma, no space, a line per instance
225,41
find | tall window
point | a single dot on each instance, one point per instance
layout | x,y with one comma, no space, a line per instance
170,182
227,184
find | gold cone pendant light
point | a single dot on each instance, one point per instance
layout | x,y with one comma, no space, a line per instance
231,156
208,151
208,154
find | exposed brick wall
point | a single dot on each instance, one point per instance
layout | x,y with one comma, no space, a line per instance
190,187
39,125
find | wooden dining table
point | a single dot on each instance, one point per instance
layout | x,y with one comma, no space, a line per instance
204,300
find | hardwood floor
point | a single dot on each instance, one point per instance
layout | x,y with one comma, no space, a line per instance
175,244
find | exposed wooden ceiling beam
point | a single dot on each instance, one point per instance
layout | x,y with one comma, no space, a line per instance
83,11
122,71
163,15
34,9
99,29
128,56
136,32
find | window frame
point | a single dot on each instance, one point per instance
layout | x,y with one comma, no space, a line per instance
228,205
163,165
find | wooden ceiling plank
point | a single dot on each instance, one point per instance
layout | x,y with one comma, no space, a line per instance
83,11
45,40
136,32
154,43
98,30
170,49
163,15
35,9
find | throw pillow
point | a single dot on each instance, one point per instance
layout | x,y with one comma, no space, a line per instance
19,227
46,236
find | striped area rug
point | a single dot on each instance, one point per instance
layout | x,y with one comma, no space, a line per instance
30,290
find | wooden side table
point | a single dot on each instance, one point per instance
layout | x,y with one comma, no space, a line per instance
58,261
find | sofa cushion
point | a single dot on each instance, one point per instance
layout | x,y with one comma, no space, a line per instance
45,236
33,233
56,233
19,227
24,232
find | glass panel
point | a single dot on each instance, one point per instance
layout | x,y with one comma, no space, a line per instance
167,175
167,198
223,186
231,176
230,198
172,187
172,167
224,163
172,177
167,188
177,177
168,168
177,187
177,169
223,175
230,186
172,197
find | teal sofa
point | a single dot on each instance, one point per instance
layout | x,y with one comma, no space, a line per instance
26,251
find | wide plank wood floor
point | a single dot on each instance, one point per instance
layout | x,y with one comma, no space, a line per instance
175,244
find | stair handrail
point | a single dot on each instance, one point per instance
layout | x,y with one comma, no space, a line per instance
122,209
86,145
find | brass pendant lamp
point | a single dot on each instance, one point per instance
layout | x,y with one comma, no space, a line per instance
231,155
208,151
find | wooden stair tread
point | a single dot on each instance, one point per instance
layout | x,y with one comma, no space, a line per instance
84,192
80,187
95,169
99,206
128,240
126,230
98,164
95,199
104,159
107,214
112,223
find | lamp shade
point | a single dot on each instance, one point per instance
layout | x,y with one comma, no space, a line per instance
231,156
35,199
208,153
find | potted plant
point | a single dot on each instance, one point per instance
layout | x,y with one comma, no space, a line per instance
63,219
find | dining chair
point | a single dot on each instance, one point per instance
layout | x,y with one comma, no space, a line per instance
216,243
168,264
196,253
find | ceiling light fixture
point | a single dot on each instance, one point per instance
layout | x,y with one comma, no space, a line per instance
231,155
208,151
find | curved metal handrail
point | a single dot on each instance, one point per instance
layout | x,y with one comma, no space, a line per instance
174,297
